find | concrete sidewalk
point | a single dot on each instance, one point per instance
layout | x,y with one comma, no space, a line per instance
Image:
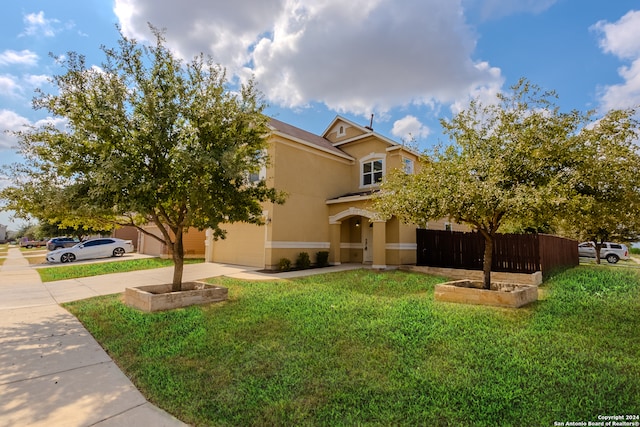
53,372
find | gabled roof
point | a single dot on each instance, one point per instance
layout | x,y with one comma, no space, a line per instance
363,129
366,132
305,137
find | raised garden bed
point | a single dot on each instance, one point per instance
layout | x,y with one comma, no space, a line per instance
500,295
159,297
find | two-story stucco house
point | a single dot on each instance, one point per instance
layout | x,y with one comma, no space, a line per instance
329,180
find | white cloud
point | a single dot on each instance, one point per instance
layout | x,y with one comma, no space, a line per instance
10,122
9,86
24,57
360,56
36,80
37,24
225,30
408,128
59,122
622,39
19,86
369,56
626,94
486,93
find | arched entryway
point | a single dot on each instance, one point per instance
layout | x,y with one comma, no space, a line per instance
371,242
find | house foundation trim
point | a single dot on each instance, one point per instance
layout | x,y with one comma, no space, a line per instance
296,245
402,246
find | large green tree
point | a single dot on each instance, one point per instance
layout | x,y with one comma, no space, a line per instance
149,138
40,195
606,182
507,164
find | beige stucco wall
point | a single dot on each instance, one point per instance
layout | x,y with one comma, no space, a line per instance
441,224
395,156
351,239
126,233
150,246
360,149
309,177
244,245
349,132
193,242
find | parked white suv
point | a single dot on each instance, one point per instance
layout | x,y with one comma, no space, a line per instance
612,252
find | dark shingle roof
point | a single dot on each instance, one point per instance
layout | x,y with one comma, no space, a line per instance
308,137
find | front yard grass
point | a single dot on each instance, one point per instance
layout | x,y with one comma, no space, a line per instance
369,348
4,252
50,274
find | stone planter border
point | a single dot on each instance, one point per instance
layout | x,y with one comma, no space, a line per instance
500,295
159,297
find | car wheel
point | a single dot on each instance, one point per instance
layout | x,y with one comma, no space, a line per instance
67,257
118,252
612,258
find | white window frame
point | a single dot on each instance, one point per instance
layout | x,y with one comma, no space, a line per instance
262,173
408,165
371,158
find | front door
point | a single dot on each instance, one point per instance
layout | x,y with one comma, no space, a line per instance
367,242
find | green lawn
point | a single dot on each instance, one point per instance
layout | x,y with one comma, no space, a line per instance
4,251
50,274
367,348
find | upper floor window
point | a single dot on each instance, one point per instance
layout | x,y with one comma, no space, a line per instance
259,176
407,165
372,172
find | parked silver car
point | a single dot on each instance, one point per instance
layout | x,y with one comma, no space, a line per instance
94,248
612,252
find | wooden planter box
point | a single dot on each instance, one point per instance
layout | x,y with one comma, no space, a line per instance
159,297
500,295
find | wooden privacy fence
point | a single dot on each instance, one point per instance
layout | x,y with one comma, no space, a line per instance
513,253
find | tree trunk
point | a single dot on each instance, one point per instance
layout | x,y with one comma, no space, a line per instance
486,264
598,248
178,263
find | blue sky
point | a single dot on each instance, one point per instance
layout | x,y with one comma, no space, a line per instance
408,62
